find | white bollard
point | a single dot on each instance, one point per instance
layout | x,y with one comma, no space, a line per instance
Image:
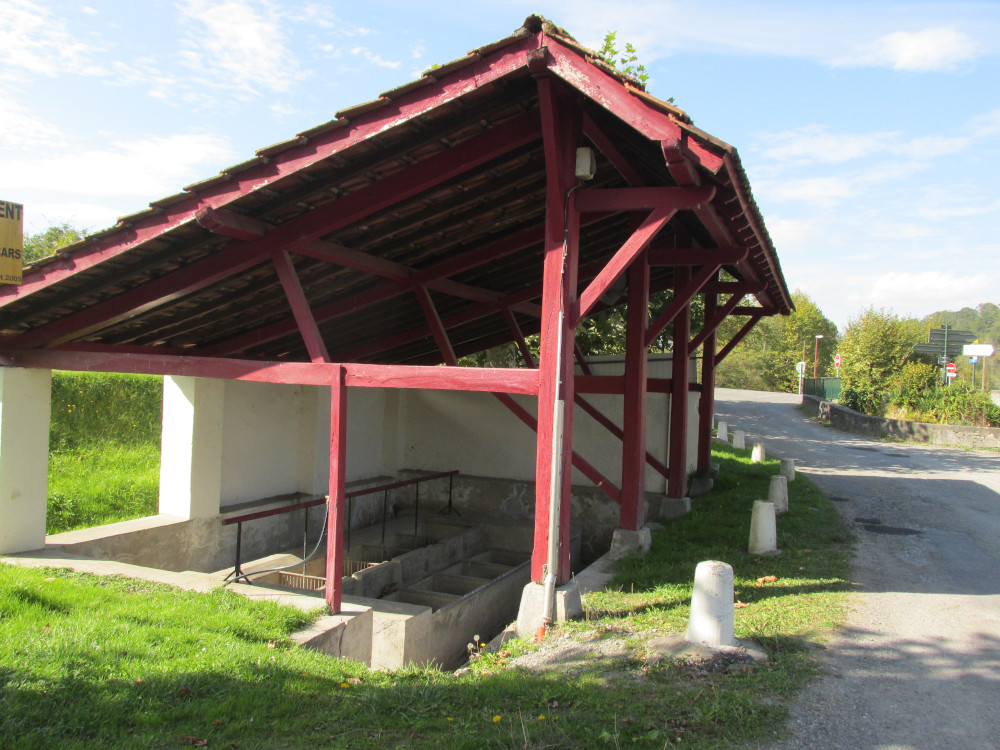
723,431
763,531
788,469
777,493
711,620
739,439
758,454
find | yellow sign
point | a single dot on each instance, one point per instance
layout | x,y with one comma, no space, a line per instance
11,241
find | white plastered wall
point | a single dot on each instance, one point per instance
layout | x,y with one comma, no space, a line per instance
227,442
25,403
230,442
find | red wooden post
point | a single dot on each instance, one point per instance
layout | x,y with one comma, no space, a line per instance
706,405
636,364
677,482
335,507
561,129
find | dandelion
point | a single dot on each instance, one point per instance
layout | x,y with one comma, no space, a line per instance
541,718
345,685
497,718
450,719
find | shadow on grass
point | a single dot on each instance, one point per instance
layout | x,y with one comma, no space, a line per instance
285,708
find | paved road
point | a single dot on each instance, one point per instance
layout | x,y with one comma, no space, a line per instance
918,663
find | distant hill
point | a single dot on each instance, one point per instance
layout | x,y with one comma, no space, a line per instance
983,320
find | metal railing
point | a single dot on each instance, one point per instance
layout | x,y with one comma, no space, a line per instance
305,505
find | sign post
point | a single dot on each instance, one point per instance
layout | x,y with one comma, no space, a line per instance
11,241
951,370
836,362
800,368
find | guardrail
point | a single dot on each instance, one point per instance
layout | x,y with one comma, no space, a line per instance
305,505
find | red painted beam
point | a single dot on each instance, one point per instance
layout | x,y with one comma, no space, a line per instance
642,198
607,92
682,298
611,151
611,384
561,125
515,331
747,327
585,467
336,516
492,251
300,307
621,260
488,379
724,256
434,322
615,430
298,373
677,481
231,224
706,404
714,320
632,515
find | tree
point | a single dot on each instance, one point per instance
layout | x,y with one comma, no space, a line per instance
875,347
766,358
46,243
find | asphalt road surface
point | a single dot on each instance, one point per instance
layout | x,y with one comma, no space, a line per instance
918,663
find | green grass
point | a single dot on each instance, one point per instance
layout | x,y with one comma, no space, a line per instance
115,663
104,449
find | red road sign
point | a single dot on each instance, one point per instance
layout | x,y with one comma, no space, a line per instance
951,368
836,361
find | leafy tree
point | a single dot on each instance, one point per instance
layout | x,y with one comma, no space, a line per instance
44,244
875,347
766,358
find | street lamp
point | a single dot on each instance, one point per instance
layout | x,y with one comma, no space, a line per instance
816,354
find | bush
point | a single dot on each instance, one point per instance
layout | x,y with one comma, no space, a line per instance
864,400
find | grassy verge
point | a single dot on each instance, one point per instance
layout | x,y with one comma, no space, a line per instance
104,449
115,663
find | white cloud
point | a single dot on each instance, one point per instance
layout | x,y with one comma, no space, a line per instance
817,31
373,58
925,290
144,168
824,191
19,129
239,45
935,49
32,39
816,144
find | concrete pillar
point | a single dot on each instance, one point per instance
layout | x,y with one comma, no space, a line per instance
712,619
191,447
758,454
722,432
763,530
788,469
777,493
25,399
739,439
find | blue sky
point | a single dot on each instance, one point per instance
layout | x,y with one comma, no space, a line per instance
870,130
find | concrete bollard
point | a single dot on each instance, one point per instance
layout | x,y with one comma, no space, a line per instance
788,469
739,439
758,454
714,468
777,493
763,531
722,432
712,620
